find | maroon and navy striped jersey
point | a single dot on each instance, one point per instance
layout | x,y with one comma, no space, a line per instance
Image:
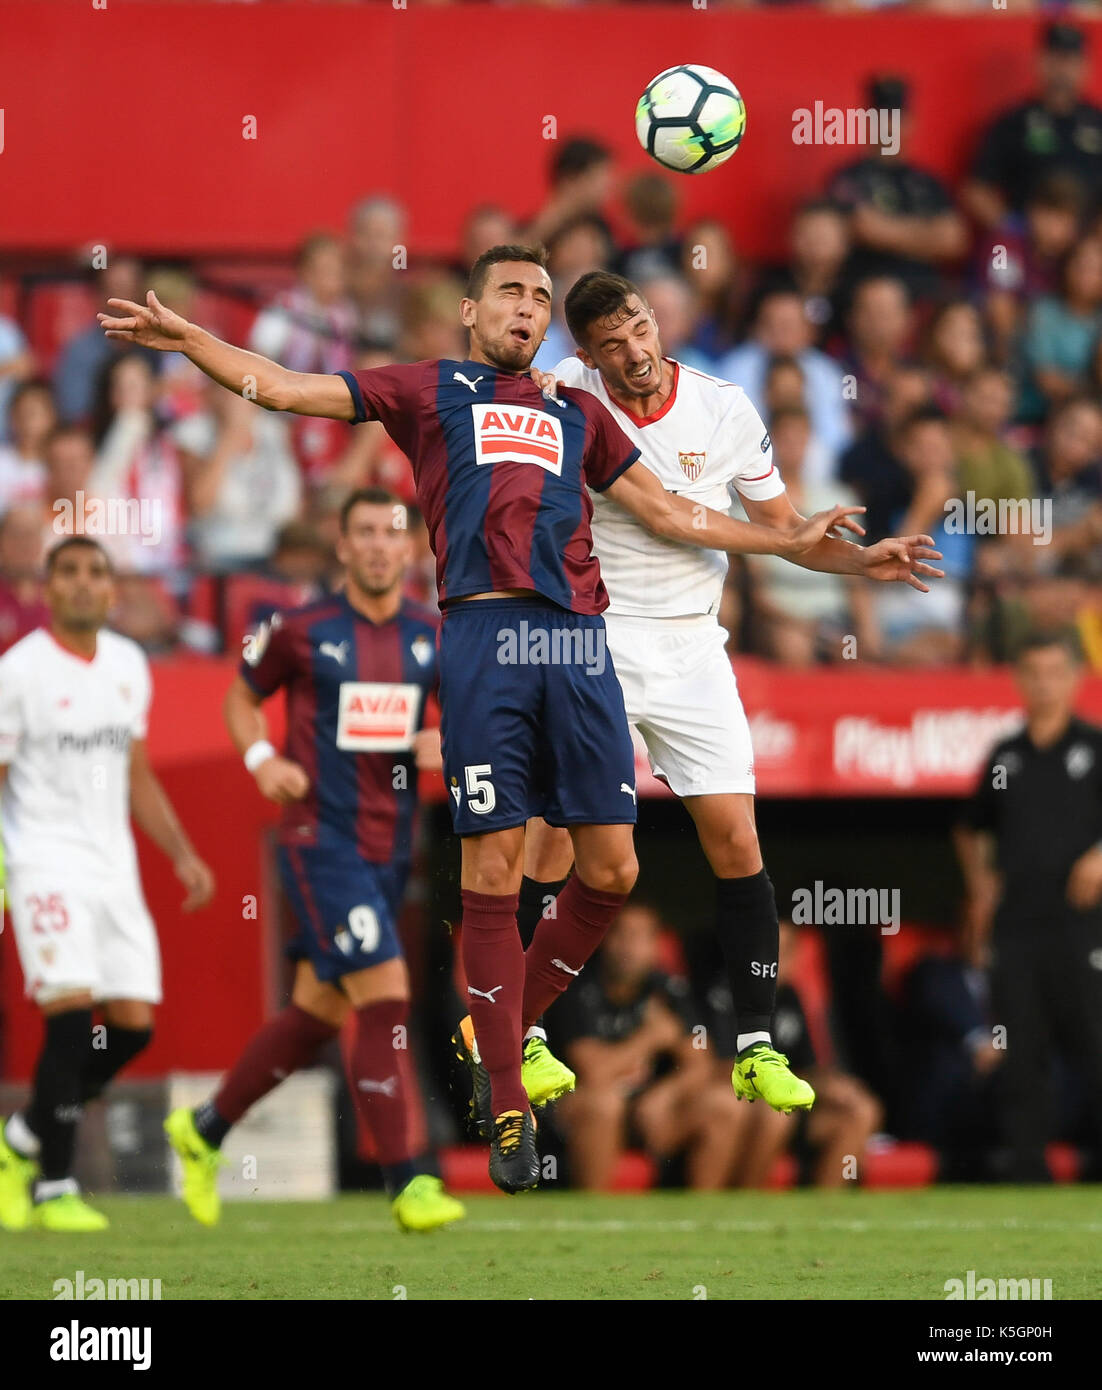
501,474
356,695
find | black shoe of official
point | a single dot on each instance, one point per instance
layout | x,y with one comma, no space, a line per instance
514,1162
466,1049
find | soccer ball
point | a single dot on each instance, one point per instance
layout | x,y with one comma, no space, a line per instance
690,118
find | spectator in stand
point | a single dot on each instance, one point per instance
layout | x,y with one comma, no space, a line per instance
846,1113
803,614
313,327
655,251
1023,256
954,351
84,358
901,218
1062,334
484,226
710,264
22,552
819,267
431,326
31,416
880,328
137,462
871,466
578,247
582,179
949,1064
1067,466
180,383
625,1030
670,297
240,480
781,329
70,456
376,237
1055,131
785,386
16,364
297,570
987,465
931,632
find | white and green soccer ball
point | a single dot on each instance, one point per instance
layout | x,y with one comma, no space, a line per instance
690,118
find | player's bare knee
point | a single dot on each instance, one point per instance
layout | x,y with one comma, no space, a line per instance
614,875
736,853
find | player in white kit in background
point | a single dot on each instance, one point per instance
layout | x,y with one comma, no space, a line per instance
703,439
74,701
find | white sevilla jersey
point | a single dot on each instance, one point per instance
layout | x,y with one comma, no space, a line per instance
66,726
705,441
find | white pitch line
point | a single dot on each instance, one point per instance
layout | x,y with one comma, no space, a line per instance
723,1227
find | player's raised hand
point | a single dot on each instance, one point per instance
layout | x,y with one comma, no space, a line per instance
150,325
807,536
196,878
282,780
547,382
902,559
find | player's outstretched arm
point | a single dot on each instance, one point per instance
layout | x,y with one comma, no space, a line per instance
245,373
898,558
677,519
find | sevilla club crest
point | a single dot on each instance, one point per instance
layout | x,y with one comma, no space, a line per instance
692,465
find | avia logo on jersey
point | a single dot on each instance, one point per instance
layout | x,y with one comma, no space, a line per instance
692,465
376,717
517,432
115,737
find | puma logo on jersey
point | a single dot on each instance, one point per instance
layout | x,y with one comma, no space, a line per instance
630,791
337,650
458,376
485,994
562,965
387,1088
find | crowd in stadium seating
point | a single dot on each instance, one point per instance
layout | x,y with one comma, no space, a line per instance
917,344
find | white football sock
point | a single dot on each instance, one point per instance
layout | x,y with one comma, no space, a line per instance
745,1040
535,1032
20,1137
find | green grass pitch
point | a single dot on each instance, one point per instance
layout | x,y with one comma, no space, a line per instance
795,1245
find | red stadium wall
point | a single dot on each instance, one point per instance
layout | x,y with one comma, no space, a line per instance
124,125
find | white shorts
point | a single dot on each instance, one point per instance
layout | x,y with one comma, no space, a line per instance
83,933
681,694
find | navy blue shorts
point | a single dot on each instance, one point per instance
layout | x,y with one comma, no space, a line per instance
532,718
346,908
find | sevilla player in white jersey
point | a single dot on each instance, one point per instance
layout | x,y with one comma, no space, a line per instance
74,699
703,440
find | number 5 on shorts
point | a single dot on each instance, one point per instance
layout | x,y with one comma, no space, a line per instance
481,797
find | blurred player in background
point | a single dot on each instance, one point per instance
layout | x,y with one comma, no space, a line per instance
358,667
74,704
503,474
703,441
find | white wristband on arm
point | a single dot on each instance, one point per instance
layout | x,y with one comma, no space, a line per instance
257,753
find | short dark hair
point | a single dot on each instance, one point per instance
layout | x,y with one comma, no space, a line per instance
1067,639
922,415
781,361
788,412
598,294
31,386
577,156
495,255
68,543
366,496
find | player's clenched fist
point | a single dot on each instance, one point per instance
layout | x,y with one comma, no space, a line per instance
150,325
279,779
